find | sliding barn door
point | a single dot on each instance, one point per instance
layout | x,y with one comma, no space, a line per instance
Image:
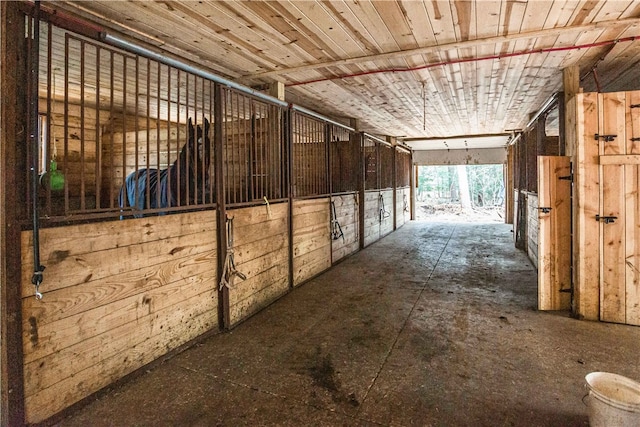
619,152
554,233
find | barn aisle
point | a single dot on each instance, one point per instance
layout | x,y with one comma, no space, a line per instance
433,325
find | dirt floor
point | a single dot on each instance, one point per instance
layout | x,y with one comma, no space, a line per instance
436,324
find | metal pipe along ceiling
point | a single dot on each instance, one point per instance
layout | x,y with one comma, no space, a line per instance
480,58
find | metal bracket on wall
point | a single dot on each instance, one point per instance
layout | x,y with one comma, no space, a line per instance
606,138
606,219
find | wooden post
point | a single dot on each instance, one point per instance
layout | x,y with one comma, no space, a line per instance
276,89
12,143
224,319
571,83
586,204
361,190
508,186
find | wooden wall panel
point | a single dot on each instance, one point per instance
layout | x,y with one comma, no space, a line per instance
402,202
586,207
117,296
261,253
612,179
554,233
632,210
371,217
346,207
311,238
387,210
532,228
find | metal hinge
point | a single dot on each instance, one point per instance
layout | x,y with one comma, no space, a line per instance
566,178
606,138
545,210
634,106
606,219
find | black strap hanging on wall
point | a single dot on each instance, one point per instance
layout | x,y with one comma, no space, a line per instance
336,229
34,136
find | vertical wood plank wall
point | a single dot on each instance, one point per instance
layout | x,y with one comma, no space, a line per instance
532,227
402,206
117,296
607,254
311,238
347,216
586,207
261,253
371,217
387,210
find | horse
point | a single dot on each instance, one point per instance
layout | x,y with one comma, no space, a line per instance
181,184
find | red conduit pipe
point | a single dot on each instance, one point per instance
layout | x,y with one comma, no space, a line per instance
482,58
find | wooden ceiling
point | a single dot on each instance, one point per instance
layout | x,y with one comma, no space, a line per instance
404,68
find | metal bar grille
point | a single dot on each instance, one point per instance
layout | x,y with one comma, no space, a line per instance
116,120
344,160
309,145
254,155
403,168
386,166
371,164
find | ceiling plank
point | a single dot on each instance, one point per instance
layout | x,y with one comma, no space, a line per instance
596,26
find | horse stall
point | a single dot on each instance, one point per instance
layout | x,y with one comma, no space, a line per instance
379,208
344,156
167,205
402,186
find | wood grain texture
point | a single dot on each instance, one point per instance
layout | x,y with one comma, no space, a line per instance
116,296
311,238
261,253
554,236
612,275
586,207
347,215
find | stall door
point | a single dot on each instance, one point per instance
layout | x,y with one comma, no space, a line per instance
619,217
554,233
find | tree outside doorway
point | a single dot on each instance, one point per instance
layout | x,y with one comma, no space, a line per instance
461,193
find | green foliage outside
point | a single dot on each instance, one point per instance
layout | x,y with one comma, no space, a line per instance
439,184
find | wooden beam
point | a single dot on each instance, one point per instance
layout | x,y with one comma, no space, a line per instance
586,205
571,83
620,159
389,56
12,139
276,89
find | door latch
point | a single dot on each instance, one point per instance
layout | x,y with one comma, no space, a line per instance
606,138
606,219
545,210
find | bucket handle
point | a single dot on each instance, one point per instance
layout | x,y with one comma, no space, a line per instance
584,397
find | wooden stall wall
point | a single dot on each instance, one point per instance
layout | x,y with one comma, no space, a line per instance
347,216
261,253
532,228
311,238
606,207
371,217
386,211
117,296
402,206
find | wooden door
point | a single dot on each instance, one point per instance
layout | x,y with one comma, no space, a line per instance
554,233
619,217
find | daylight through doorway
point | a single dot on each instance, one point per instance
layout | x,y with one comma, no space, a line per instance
461,193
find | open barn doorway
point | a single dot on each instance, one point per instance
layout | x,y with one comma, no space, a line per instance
461,193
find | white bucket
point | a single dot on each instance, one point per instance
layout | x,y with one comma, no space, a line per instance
614,400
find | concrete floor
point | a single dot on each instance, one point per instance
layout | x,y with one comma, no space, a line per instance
435,324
